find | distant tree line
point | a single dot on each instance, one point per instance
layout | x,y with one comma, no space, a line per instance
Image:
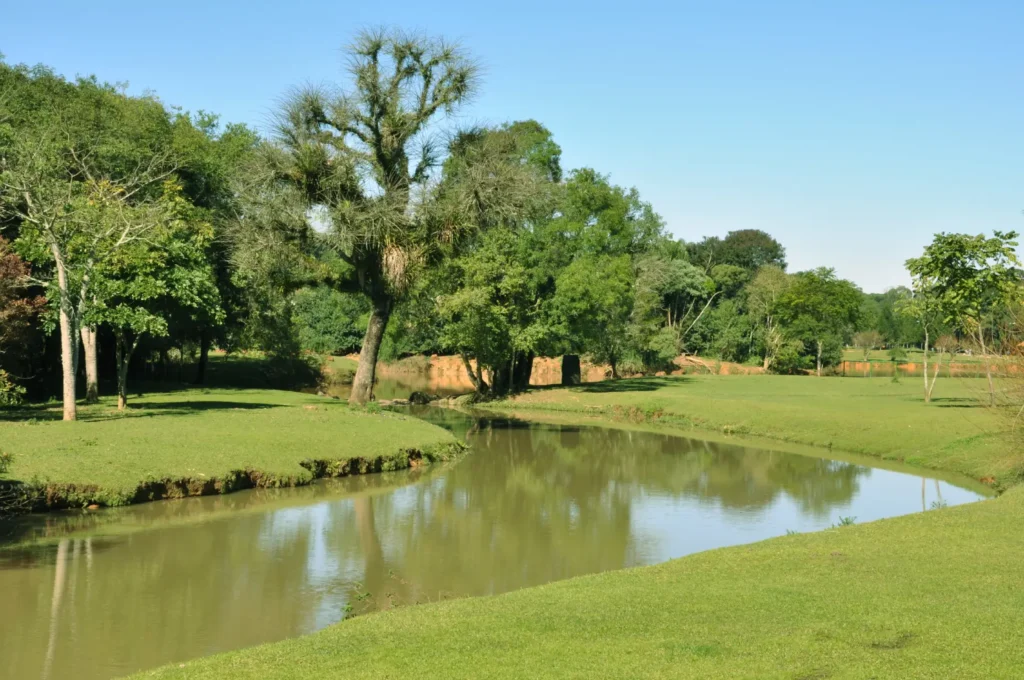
134,238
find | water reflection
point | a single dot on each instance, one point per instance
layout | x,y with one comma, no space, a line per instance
114,592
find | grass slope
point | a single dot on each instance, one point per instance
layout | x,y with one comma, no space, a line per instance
871,416
935,595
207,441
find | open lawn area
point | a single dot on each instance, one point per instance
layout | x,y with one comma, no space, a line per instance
204,441
873,416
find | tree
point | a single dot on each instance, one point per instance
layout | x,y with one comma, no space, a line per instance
866,341
749,249
594,300
764,295
896,327
78,143
16,314
329,322
820,309
923,306
352,155
969,277
135,289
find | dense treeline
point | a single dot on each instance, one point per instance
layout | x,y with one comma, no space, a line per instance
135,237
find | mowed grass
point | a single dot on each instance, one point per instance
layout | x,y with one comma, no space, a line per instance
199,441
873,416
933,595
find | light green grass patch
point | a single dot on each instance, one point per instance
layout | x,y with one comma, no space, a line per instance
208,441
877,417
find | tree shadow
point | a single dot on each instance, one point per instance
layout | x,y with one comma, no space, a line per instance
632,384
957,402
48,412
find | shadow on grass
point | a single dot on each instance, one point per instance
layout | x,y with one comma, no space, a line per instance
52,412
632,384
957,402
618,385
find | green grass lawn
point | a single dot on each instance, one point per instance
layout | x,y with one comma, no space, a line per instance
873,416
206,441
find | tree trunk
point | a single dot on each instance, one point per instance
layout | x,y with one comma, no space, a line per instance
476,377
123,356
571,369
362,385
92,378
924,362
204,356
988,366
68,341
615,368
819,358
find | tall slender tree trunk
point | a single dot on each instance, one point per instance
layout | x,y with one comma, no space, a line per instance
819,357
924,362
571,374
68,339
988,366
362,385
204,356
92,376
123,355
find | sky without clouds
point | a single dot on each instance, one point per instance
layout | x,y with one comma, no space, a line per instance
850,131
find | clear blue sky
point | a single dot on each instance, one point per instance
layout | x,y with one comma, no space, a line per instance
850,130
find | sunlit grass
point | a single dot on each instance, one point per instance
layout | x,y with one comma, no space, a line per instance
873,416
188,439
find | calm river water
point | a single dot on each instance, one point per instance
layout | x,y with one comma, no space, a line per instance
107,593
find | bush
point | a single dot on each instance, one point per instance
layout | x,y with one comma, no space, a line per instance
11,393
329,322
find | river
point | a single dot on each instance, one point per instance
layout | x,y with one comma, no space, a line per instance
101,594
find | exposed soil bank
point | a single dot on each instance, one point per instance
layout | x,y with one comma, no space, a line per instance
201,442
45,497
448,372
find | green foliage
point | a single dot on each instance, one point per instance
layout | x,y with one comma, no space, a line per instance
328,321
749,249
11,393
821,310
968,277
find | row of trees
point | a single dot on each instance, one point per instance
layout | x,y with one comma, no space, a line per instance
358,225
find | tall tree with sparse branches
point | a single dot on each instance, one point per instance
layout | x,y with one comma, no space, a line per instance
363,156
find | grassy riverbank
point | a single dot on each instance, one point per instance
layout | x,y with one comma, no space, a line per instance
194,442
933,595
872,416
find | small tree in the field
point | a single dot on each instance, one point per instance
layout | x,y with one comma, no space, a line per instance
969,277
866,341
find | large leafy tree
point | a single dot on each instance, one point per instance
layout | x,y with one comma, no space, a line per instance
73,145
764,303
17,311
968,278
360,156
749,249
495,287
137,288
820,309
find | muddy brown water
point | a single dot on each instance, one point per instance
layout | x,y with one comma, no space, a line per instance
102,594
